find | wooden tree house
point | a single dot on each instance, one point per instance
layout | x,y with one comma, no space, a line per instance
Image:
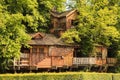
46,51
49,51
64,21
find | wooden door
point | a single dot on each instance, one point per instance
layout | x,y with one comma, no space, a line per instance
37,55
34,56
99,60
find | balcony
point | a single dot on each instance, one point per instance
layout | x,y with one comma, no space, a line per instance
93,61
111,61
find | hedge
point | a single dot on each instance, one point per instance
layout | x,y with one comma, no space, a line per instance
116,77
61,76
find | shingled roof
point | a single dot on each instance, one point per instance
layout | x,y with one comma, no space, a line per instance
48,39
62,14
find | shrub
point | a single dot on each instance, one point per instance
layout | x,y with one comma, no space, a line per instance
61,76
97,76
116,77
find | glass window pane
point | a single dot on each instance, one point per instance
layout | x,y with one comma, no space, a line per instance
34,50
41,50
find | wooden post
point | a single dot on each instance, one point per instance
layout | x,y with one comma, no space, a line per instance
19,64
30,58
14,65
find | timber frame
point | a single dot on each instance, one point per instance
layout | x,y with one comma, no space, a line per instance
49,51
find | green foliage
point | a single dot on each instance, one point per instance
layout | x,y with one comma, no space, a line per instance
19,17
61,76
116,77
12,37
97,25
35,13
117,67
42,76
70,36
97,77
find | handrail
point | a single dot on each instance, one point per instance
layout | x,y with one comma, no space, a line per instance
92,60
111,60
18,62
84,60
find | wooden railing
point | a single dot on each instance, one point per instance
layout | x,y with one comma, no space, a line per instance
24,55
21,63
76,61
111,60
84,60
93,60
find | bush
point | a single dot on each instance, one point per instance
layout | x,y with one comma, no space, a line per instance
61,76
116,77
97,76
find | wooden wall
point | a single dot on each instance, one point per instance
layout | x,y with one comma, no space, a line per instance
102,50
100,60
39,55
69,20
54,23
64,22
54,56
61,56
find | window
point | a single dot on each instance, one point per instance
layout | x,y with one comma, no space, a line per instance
74,22
63,26
34,50
99,55
41,53
41,50
25,50
37,37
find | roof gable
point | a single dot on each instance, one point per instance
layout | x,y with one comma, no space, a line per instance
63,14
37,35
46,39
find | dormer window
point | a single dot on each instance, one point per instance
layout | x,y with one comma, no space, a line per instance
37,36
74,22
63,26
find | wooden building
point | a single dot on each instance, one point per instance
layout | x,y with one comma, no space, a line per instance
49,51
46,51
62,21
97,58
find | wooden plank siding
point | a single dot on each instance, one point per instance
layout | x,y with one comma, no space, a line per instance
61,56
45,63
52,56
38,56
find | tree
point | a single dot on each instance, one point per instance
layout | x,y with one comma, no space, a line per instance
17,19
12,37
35,12
97,24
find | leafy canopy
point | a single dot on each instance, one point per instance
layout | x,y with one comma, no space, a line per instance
97,24
19,17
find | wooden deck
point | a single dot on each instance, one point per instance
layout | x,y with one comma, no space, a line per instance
83,61
21,63
80,61
76,61
111,61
